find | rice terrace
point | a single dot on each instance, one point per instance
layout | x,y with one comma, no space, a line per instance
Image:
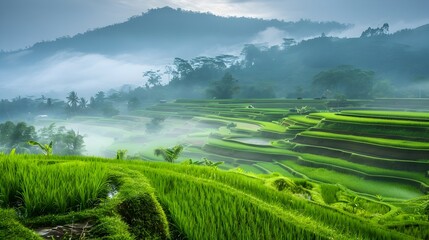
207,120
286,174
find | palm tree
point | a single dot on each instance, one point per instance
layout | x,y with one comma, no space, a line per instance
169,154
83,103
73,100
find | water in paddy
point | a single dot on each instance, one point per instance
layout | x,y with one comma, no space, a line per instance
255,141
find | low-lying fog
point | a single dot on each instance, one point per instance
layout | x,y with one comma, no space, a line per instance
103,137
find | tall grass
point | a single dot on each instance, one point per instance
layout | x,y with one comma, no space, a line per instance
37,188
206,210
197,196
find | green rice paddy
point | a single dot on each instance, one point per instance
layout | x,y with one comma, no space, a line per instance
272,185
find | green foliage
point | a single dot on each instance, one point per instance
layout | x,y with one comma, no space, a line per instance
72,101
37,189
352,82
139,207
138,212
259,91
133,103
191,162
329,193
16,136
211,163
426,209
121,154
67,142
223,89
111,228
153,78
10,228
354,204
169,154
283,183
46,148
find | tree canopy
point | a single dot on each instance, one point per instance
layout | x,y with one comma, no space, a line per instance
345,80
224,88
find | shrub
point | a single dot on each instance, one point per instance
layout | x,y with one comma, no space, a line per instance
329,193
139,212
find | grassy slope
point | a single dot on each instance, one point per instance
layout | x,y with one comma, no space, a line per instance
198,197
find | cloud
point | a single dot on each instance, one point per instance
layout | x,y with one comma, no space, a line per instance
270,36
64,72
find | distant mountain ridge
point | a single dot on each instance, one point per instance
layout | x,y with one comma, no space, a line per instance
177,31
111,56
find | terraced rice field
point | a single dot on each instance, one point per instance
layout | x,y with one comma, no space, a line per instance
375,146
351,174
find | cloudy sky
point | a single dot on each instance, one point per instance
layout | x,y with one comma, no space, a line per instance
24,22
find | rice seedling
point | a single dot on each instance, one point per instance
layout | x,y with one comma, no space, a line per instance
37,188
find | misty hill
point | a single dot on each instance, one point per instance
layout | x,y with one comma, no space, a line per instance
398,62
400,57
177,32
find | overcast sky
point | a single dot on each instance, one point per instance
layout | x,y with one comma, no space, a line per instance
24,22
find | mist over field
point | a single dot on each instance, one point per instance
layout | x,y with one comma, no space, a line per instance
65,71
226,119
164,54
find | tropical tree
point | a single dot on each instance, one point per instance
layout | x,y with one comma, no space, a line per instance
223,89
20,135
371,32
347,80
16,136
73,100
169,154
153,78
83,103
73,143
133,103
67,142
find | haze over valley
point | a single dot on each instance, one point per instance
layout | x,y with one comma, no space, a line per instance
226,119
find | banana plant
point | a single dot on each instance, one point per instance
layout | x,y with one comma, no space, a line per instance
46,148
169,154
121,153
191,162
211,163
